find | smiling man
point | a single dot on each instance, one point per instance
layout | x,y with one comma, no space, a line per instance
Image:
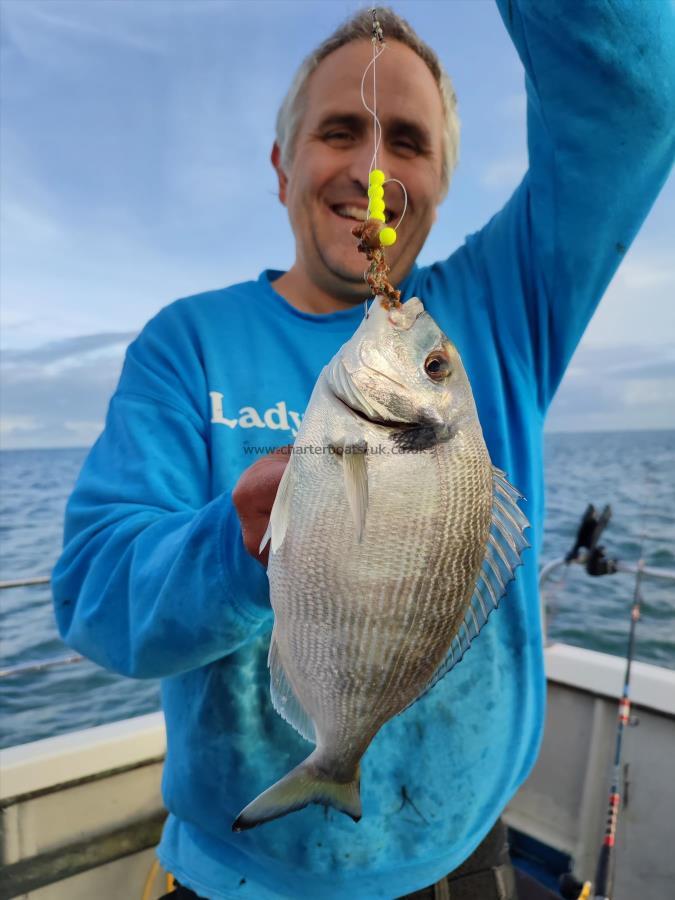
155,579
323,168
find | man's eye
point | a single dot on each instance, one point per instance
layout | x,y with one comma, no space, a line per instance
405,146
337,136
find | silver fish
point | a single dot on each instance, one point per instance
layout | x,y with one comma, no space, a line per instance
393,537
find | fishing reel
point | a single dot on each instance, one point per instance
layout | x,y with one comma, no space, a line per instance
588,534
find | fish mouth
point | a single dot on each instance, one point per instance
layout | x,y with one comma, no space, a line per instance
392,424
408,437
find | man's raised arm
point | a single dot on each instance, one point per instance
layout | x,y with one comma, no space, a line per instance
154,578
600,80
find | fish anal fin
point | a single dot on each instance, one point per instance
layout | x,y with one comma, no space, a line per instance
284,698
503,554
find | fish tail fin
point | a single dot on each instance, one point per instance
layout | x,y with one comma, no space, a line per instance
305,784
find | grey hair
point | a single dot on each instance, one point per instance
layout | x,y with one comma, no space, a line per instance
360,27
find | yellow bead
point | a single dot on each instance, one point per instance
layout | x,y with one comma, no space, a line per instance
387,237
377,176
376,192
379,217
376,206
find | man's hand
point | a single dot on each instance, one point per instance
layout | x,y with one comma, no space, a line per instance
253,497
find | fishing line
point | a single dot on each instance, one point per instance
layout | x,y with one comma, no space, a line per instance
374,233
405,199
378,50
376,216
377,127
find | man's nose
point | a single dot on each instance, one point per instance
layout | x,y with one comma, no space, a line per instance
362,161
359,164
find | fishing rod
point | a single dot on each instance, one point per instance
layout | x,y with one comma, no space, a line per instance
597,564
604,875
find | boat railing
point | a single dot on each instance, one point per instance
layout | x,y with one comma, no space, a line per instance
38,665
546,571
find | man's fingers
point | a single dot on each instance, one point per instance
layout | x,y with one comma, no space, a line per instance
253,497
257,486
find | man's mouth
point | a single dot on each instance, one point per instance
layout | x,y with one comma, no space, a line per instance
355,213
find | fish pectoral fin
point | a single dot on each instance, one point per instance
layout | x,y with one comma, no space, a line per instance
305,784
284,698
505,545
281,511
354,455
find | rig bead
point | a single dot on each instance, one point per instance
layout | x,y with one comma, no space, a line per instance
387,237
376,206
376,192
379,217
377,176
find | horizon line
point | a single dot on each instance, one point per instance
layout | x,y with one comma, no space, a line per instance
665,429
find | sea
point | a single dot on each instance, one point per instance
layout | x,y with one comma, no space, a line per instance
632,471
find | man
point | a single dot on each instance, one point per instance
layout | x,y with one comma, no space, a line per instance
155,579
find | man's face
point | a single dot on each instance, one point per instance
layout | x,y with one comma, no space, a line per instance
325,187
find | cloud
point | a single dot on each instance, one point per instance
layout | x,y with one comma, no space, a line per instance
644,274
11,424
645,393
56,395
639,300
69,347
616,388
27,220
504,173
13,320
33,26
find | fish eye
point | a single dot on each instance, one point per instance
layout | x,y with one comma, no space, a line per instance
437,366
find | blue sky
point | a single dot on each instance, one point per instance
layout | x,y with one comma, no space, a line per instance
135,142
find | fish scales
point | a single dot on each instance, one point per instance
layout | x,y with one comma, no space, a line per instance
379,535
400,615
328,659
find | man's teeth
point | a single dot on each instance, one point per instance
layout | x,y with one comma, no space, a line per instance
351,212
356,212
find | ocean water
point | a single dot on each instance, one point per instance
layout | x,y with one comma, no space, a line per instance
633,471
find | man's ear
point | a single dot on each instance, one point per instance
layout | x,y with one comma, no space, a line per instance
281,175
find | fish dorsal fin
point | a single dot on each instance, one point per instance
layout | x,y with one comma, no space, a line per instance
505,546
284,698
281,511
355,471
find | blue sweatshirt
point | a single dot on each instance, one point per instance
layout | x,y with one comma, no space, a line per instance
154,580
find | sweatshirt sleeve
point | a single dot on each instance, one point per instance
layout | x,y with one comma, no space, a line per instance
600,84
154,578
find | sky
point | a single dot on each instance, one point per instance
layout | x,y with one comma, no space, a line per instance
134,169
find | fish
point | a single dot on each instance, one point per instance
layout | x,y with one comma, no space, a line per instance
392,540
